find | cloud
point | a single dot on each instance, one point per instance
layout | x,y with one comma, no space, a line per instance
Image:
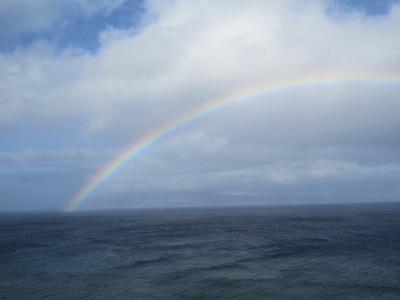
184,57
185,52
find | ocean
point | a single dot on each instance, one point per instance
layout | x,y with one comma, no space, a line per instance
294,252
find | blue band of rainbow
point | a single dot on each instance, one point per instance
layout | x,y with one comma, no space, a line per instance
215,104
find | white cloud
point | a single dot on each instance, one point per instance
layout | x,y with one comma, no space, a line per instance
184,57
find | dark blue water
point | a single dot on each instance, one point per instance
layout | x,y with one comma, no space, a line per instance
305,252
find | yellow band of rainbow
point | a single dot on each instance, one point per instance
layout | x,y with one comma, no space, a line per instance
214,104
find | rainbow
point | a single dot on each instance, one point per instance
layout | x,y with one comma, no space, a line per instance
213,105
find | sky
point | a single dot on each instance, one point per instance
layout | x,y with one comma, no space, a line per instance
81,80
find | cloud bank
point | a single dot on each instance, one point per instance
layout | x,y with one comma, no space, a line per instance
327,141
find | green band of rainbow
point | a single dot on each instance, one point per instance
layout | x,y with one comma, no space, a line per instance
211,105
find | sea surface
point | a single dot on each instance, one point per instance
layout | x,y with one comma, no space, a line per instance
299,252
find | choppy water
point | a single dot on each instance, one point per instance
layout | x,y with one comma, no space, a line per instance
308,252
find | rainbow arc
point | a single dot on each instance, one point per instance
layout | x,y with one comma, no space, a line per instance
215,104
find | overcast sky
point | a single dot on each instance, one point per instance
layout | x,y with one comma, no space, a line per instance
82,79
